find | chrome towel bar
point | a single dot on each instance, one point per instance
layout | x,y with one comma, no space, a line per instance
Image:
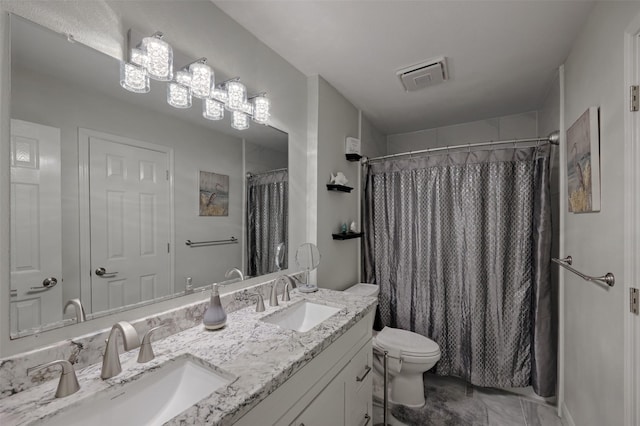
232,240
608,278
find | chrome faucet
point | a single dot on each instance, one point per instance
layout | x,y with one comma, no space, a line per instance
77,304
273,298
236,271
111,360
146,350
68,383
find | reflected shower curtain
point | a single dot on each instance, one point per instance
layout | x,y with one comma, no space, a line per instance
267,220
460,246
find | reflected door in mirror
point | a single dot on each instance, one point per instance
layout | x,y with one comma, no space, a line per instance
36,225
130,222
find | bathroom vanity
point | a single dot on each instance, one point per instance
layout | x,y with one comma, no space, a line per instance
269,373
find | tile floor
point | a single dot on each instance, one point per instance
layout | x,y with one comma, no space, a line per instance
453,402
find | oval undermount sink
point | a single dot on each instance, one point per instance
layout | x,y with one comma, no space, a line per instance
155,398
302,316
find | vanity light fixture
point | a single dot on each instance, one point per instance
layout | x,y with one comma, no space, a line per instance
237,93
159,57
260,108
212,109
239,120
153,58
178,95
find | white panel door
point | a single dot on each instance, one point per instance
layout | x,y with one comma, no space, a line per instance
130,223
36,226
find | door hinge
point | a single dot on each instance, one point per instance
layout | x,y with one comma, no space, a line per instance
634,303
168,247
633,96
167,171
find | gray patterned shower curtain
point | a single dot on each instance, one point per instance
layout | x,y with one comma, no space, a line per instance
267,220
460,245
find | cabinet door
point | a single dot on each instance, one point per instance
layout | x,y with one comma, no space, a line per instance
327,408
358,378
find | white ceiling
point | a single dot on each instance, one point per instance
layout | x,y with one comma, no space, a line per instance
502,55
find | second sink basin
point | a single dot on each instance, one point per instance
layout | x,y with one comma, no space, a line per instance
303,316
153,399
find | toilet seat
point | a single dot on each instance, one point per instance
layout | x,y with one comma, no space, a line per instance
410,344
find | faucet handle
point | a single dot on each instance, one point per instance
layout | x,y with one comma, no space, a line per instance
259,303
146,350
68,383
285,293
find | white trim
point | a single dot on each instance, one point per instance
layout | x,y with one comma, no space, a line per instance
566,415
631,225
84,136
561,249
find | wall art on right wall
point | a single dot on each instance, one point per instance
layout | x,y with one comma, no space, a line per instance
583,163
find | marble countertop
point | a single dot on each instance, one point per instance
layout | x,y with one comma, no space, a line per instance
260,356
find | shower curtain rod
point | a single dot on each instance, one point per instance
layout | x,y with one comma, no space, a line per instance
249,174
553,138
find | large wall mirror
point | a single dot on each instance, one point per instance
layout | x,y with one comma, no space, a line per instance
108,187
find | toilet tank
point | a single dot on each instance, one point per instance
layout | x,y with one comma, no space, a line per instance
364,289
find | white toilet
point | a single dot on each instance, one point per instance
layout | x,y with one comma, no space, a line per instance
416,352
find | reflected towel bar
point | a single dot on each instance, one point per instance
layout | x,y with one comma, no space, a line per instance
232,240
608,278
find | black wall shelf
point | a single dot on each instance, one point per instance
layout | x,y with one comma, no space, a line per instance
341,188
347,235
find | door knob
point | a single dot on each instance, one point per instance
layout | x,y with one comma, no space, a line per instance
47,284
102,272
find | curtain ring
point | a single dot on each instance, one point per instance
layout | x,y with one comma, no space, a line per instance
469,148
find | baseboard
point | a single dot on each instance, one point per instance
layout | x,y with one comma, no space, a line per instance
567,420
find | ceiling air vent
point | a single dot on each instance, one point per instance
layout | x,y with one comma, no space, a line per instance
428,73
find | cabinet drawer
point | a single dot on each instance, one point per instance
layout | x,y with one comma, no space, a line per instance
358,388
360,368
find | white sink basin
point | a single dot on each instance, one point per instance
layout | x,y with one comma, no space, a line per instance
153,399
302,317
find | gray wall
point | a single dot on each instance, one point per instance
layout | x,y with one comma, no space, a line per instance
549,121
373,141
201,29
594,324
499,128
336,119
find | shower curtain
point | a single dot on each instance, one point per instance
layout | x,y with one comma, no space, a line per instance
267,220
460,245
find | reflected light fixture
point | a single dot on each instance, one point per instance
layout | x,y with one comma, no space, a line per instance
212,109
152,58
239,120
178,95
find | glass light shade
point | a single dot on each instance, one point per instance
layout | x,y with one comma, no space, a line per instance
160,58
134,78
178,95
247,108
202,80
237,95
184,77
212,110
261,106
139,57
239,120
220,95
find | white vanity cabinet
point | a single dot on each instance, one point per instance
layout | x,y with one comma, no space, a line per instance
334,388
347,400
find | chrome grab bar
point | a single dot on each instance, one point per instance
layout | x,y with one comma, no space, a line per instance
232,240
608,278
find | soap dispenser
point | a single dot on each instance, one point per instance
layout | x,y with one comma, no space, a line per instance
215,316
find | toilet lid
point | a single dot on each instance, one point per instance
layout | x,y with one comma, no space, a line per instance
408,342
